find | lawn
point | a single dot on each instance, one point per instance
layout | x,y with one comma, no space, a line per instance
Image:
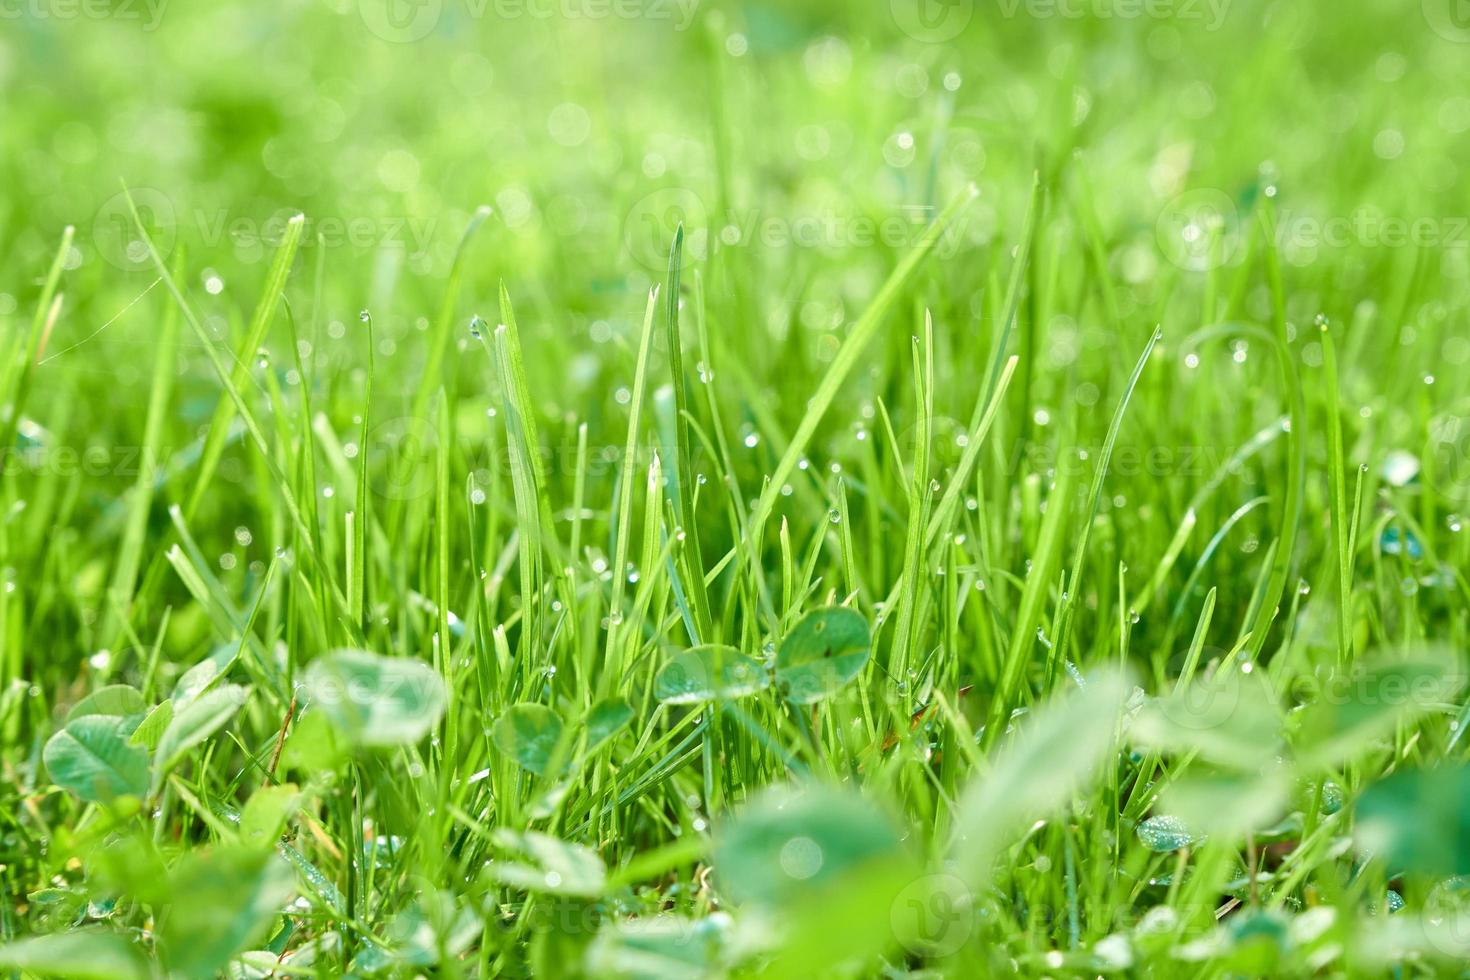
666,488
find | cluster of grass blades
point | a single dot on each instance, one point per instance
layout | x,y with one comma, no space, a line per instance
701,747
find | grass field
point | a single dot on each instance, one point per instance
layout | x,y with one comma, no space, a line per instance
664,488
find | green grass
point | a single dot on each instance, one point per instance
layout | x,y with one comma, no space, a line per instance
734,489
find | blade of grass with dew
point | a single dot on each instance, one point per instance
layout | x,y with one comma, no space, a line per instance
1033,595
1285,552
140,498
528,496
857,341
1337,499
270,298
47,309
252,425
920,501
443,335
680,468
611,673
1071,595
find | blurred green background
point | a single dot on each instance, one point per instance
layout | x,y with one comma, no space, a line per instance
389,121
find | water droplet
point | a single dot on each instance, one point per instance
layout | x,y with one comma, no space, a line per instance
1162,834
834,516
1398,542
364,316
